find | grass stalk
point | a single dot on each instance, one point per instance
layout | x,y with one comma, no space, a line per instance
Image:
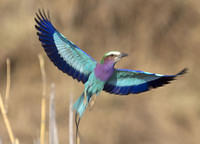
16,141
43,102
71,120
4,106
8,82
6,121
53,132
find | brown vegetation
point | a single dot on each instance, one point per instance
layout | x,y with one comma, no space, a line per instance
160,36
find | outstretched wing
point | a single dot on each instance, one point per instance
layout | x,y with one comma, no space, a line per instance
63,53
124,82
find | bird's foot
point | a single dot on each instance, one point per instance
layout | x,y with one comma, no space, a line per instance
85,98
77,122
92,102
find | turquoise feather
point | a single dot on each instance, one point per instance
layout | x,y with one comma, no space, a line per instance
79,105
75,62
63,53
124,82
92,86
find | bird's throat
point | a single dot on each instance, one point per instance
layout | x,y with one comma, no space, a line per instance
104,71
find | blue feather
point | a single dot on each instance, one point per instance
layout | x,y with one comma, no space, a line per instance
125,81
55,43
79,105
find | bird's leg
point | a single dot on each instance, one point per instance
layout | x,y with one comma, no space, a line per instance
85,94
77,121
85,97
92,102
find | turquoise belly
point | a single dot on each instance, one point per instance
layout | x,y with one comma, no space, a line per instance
94,85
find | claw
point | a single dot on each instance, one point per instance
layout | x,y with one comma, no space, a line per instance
92,102
77,122
85,98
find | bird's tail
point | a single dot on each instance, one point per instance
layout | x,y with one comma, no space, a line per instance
80,106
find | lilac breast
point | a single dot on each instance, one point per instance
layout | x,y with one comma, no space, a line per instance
104,71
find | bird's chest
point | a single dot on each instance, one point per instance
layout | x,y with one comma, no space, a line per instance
103,72
94,85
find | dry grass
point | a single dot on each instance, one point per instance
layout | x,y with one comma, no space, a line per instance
6,121
7,84
160,36
71,122
4,106
53,134
43,102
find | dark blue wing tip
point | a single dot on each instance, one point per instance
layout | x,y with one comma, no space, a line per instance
43,22
166,79
41,15
185,70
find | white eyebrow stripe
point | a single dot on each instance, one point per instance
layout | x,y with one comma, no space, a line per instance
113,52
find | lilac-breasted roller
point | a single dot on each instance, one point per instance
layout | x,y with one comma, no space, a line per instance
96,76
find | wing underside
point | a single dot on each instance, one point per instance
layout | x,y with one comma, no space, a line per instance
63,53
124,82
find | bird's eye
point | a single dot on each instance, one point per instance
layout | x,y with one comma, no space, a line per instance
112,55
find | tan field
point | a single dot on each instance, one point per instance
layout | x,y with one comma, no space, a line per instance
160,36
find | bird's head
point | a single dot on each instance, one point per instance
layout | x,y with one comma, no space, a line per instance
112,56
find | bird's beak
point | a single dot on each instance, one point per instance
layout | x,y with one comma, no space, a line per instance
120,56
123,55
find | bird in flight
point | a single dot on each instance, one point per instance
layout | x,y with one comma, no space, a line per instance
96,76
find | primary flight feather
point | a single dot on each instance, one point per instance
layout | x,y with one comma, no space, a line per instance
96,76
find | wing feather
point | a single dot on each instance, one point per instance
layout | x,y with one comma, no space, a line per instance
124,82
63,53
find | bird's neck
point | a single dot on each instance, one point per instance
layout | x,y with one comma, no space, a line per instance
104,71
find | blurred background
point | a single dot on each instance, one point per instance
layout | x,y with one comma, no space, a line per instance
160,36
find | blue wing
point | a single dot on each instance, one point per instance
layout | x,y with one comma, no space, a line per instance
124,82
63,53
